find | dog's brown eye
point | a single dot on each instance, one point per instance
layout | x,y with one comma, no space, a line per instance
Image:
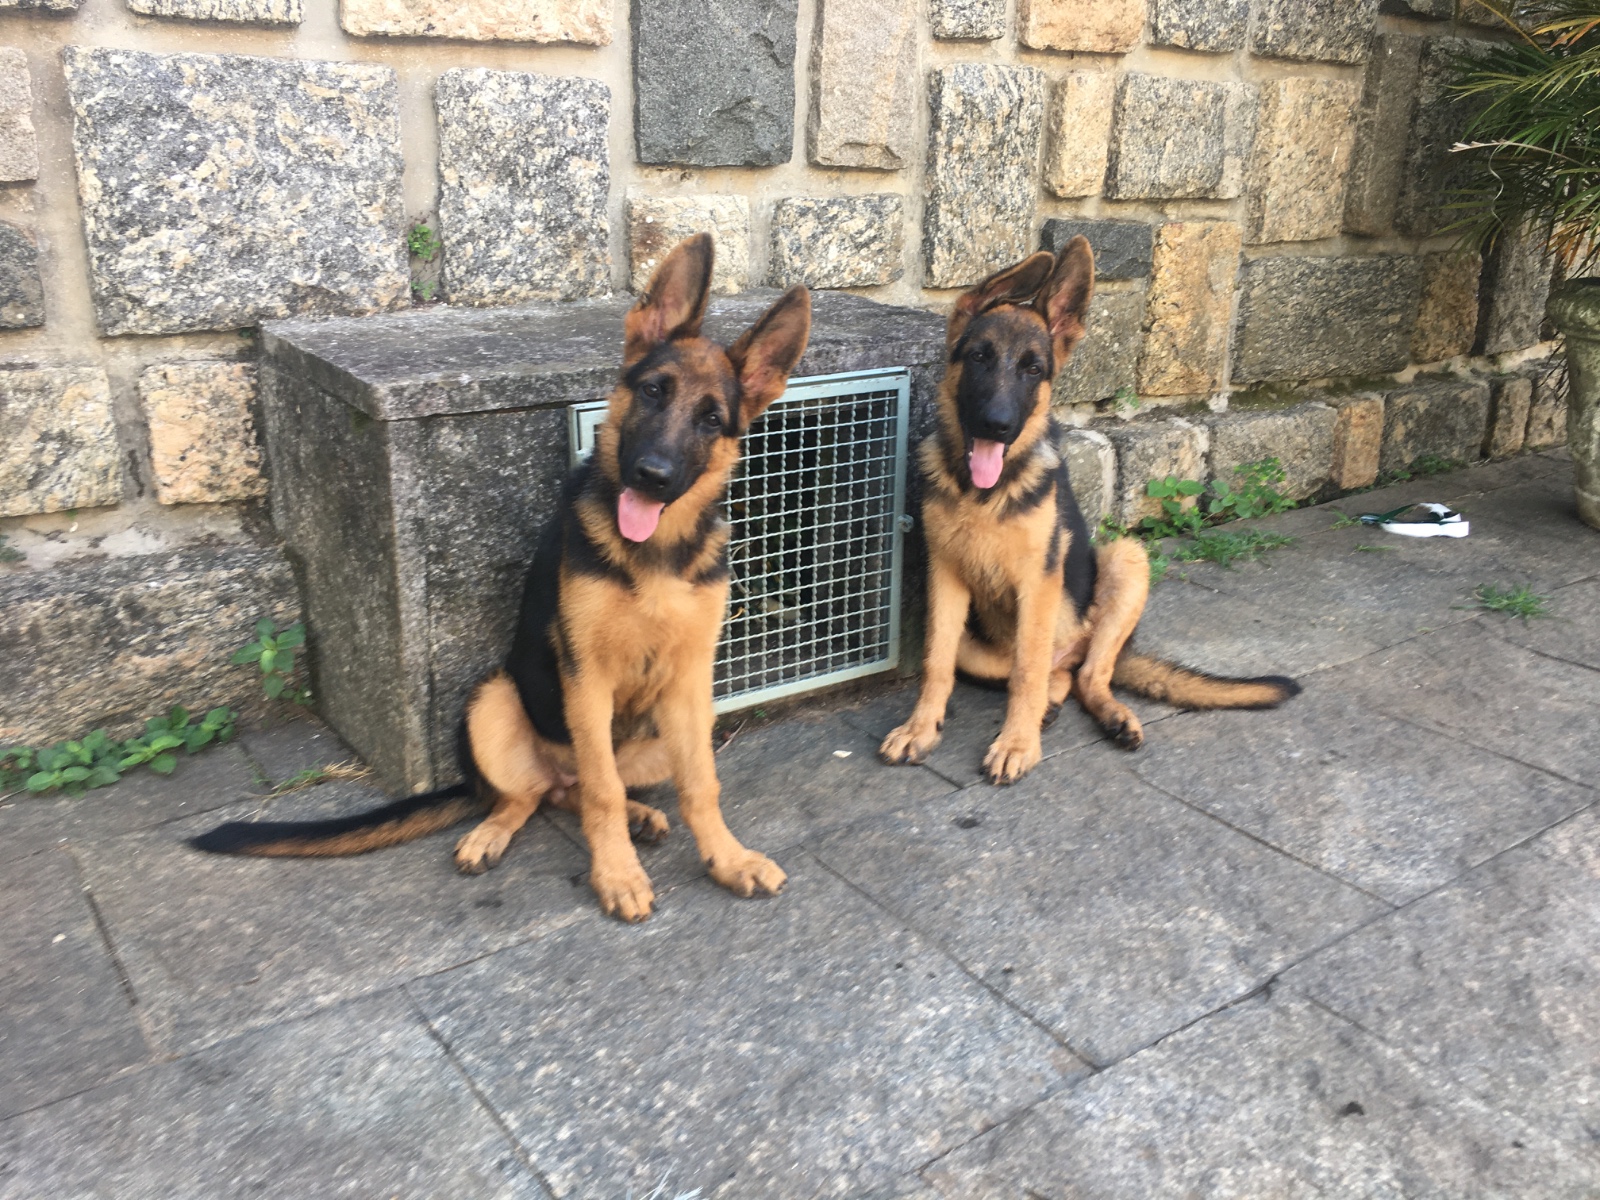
652,390
1033,369
712,420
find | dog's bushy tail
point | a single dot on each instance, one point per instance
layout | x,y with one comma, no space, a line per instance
1186,688
389,825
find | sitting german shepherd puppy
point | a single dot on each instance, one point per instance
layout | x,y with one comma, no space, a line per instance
608,683
1016,590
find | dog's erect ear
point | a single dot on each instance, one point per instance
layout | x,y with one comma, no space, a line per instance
1014,285
675,302
1064,302
763,357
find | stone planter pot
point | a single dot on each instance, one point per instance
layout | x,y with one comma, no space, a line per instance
1575,309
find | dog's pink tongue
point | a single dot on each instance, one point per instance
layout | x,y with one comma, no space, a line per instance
985,461
636,516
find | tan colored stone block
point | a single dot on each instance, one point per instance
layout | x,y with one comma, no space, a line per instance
1190,305
1148,450
864,82
203,443
658,223
585,21
58,443
1509,401
19,145
1447,319
1547,412
1100,26
1357,439
1304,139
1079,118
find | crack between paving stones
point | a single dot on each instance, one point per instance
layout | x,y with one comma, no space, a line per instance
494,1114
1465,740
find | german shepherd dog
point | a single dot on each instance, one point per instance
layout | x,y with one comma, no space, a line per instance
1017,592
608,682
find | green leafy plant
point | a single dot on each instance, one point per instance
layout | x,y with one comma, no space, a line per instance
422,242
273,651
98,760
8,552
1125,399
424,289
1376,549
1177,519
1255,494
1226,547
1520,601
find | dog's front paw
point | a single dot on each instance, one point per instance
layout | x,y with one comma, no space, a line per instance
745,872
482,848
910,743
1012,755
624,890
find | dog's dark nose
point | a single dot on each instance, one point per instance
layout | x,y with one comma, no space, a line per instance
652,472
995,423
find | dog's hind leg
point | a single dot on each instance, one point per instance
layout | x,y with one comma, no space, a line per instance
641,763
1122,585
983,660
505,750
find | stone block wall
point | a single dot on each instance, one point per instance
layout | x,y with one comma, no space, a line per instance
1260,179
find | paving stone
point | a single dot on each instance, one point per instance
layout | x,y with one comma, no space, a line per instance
1081,107
58,442
864,84
800,1046
587,22
281,747
19,142
1304,138
1303,318
1364,797
1148,450
203,446
1516,286
967,20
1100,26
1300,437
66,1023
1108,357
1092,470
837,241
1509,399
1447,420
1547,414
658,223
1571,631
21,289
358,1102
982,147
1319,30
265,223
1147,162
714,82
1069,895
1493,982
1190,310
1383,129
1429,172
1268,1098
1122,249
524,180
261,12
1211,25
1357,439
1447,318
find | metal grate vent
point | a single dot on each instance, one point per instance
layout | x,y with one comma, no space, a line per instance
816,506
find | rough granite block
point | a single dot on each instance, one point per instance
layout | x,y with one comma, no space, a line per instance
1301,438
524,178
220,190
19,144
714,82
1429,173
203,445
1302,153
1447,317
1148,162
58,442
1108,357
837,241
658,223
1304,318
39,5
1092,471
1510,398
587,22
1515,287
1211,25
1319,30
967,20
983,145
1081,109
1122,249
1547,412
1357,439
864,84
260,12
1428,10
1099,26
21,289
1383,128
1447,420
1190,308
1149,450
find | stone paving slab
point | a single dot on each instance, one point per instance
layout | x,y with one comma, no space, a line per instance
215,946
1571,631
1493,981
1272,1098
1377,802
359,1102
1110,912
803,1046
65,1021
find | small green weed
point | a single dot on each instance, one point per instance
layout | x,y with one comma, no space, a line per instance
312,776
424,289
1177,519
8,552
1160,564
1125,399
98,760
1520,601
1377,549
1226,547
273,651
1344,521
1253,494
422,242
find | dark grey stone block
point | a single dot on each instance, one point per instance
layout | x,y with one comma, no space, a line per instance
1443,419
1211,25
21,290
1110,913
1432,10
1429,172
1512,295
967,20
714,82
748,1047
293,197
1147,162
1492,981
66,1023
1122,249
1267,1098
414,461
1108,357
1321,30
1383,129
357,1102
1303,318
